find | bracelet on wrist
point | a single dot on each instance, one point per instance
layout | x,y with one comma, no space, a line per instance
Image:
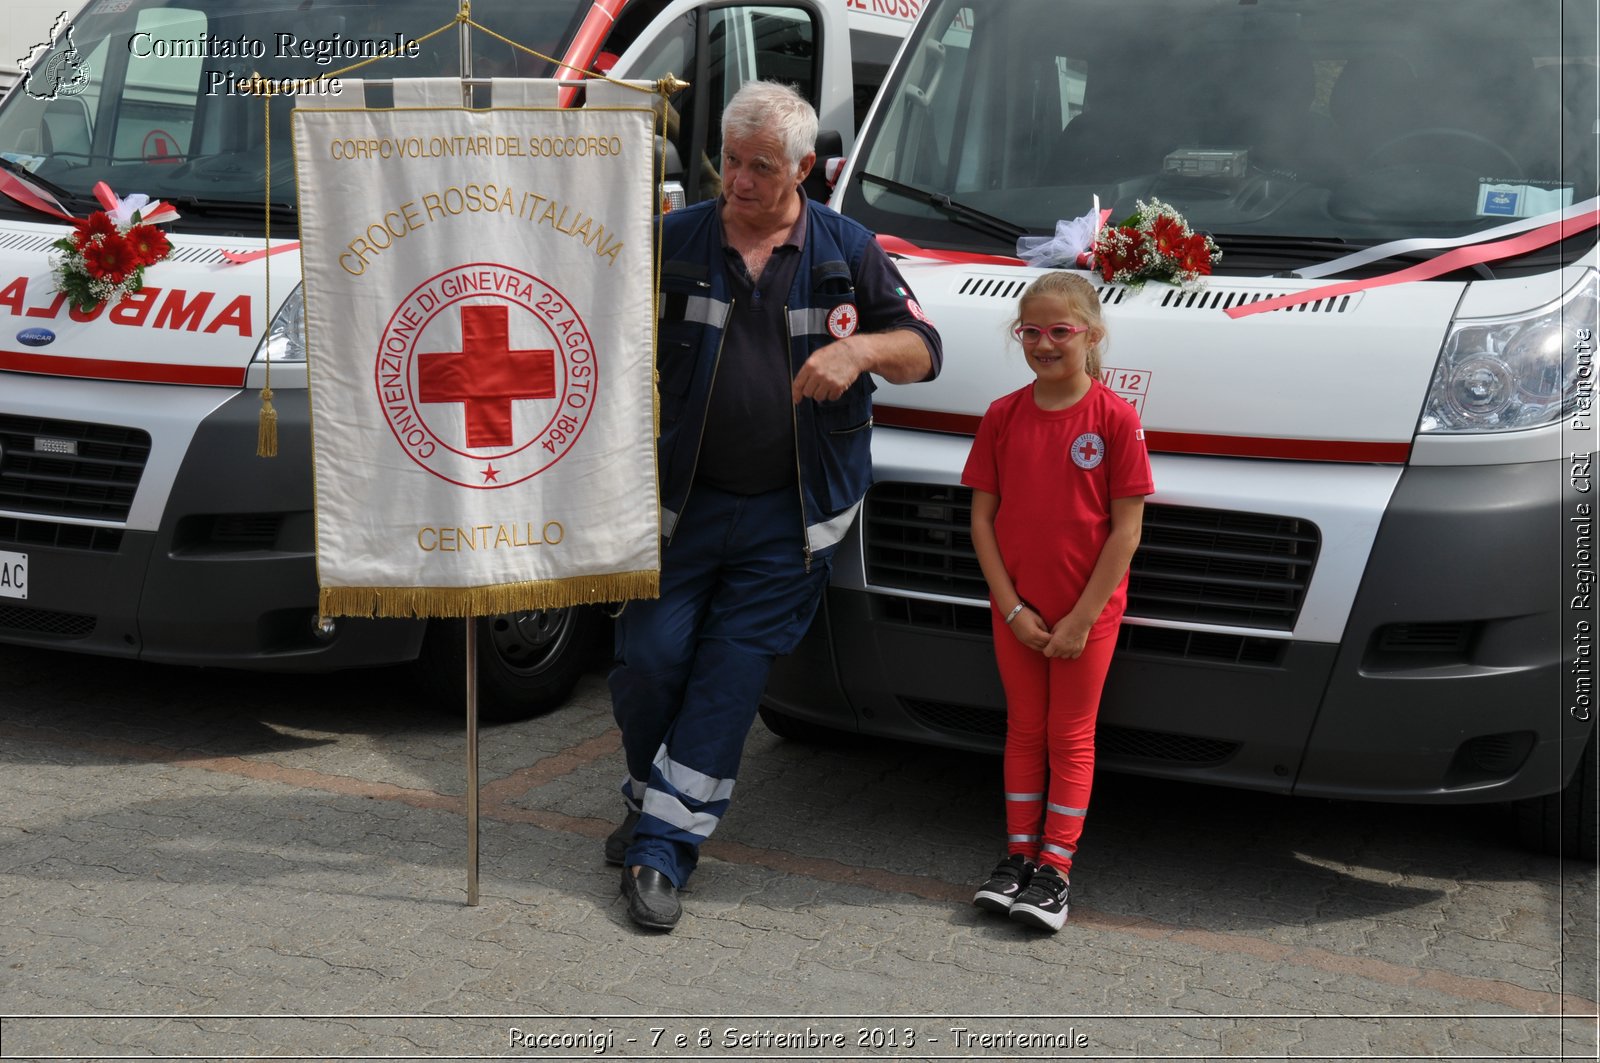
1014,611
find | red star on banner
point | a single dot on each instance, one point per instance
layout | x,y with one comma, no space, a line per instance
490,473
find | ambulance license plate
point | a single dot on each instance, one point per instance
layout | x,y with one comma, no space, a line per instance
13,575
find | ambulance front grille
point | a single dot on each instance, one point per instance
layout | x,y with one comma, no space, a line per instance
1193,565
73,469
1166,643
46,622
46,533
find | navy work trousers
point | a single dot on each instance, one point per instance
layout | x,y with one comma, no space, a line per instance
735,593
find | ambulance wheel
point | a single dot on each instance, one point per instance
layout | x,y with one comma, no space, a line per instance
1563,823
528,662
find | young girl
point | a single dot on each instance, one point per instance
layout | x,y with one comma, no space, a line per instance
1059,473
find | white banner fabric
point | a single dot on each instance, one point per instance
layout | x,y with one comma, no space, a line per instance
480,333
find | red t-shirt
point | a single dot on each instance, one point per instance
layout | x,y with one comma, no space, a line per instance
1056,472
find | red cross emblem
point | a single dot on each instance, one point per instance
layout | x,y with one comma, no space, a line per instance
1088,450
842,320
486,375
503,402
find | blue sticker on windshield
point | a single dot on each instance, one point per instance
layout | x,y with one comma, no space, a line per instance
1500,201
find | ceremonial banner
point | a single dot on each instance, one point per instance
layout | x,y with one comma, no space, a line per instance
478,299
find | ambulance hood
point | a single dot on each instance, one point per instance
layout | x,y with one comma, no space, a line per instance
1336,379
198,319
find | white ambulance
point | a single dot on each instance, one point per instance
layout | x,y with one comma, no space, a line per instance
135,517
1368,566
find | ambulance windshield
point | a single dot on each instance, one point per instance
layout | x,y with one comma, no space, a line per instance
150,96
1287,128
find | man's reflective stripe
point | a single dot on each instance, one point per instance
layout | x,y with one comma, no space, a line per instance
1024,797
695,785
633,791
811,321
1022,837
828,532
703,310
669,809
1065,811
1048,848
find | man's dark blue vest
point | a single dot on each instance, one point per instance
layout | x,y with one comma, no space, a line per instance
832,439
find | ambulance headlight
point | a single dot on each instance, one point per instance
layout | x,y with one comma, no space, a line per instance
1497,374
286,339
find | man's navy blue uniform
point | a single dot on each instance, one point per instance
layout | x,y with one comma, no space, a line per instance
757,488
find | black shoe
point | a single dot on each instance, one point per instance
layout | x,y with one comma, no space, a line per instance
1044,903
1006,881
652,898
617,841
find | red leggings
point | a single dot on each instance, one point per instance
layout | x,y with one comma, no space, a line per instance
1051,705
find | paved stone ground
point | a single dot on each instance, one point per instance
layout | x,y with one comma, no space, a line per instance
217,865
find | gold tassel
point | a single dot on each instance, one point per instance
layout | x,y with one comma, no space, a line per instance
267,427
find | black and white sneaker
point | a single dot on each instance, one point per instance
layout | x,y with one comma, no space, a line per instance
1006,883
1044,903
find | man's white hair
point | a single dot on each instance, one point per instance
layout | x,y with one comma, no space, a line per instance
772,107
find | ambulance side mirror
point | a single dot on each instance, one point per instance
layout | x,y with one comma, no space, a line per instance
670,193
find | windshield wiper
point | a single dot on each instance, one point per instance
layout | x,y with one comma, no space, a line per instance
1294,246
971,216
1283,254
243,208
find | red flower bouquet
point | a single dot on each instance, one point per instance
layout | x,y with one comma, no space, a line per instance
1154,243
105,257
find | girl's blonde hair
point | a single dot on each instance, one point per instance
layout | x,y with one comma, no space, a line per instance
1082,300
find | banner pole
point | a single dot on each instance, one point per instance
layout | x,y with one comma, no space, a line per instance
465,40
472,761
465,35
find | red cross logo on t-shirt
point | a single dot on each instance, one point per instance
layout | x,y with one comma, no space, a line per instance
1088,450
486,375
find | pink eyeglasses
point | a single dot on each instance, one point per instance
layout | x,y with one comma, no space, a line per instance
1060,332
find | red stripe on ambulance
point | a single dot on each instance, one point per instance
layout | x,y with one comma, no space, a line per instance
1181,442
108,369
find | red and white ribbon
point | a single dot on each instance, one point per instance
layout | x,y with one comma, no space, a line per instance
897,246
121,210
31,195
1460,258
239,258
1378,252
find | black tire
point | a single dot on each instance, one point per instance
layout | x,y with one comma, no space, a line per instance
1564,823
790,729
528,663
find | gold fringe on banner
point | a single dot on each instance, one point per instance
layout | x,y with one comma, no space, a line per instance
412,602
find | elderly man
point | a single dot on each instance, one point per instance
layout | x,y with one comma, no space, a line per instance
774,311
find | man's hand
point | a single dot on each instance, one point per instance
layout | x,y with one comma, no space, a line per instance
829,372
